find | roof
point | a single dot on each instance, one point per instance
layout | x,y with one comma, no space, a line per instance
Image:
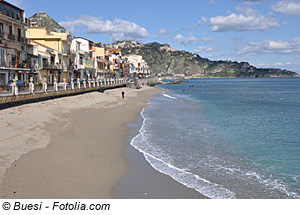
84,39
11,5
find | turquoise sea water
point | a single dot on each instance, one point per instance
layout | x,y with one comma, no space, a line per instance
227,138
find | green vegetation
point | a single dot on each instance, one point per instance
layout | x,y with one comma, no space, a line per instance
166,61
42,19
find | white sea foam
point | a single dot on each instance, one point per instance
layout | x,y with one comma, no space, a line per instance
188,179
160,161
168,96
184,177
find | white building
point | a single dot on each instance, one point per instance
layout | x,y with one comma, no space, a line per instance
84,58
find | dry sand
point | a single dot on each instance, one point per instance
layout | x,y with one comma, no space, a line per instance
70,147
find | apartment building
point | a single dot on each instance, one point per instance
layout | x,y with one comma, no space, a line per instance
101,64
85,57
117,62
55,58
13,44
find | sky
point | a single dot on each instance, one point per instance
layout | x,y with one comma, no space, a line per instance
265,33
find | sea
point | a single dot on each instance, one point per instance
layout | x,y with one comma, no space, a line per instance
226,138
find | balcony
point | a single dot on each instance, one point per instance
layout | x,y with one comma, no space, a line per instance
11,37
14,65
48,66
14,16
21,39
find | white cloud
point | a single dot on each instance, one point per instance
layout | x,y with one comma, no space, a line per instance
118,29
207,39
288,7
248,20
201,21
185,27
251,2
163,34
203,49
282,64
241,22
186,41
270,47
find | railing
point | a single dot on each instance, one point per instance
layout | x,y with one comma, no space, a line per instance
15,16
48,66
11,36
21,39
58,89
14,65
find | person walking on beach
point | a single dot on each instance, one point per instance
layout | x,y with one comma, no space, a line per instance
123,94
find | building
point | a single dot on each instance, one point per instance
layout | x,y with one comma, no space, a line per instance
13,44
101,64
55,59
85,57
138,66
116,66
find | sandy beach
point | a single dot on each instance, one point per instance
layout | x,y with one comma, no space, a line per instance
77,147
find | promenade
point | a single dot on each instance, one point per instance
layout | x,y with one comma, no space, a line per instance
20,95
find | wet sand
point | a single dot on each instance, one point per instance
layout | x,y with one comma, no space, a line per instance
77,147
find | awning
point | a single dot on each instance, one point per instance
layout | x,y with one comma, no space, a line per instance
45,56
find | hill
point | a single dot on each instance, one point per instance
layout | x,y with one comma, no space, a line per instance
42,19
162,59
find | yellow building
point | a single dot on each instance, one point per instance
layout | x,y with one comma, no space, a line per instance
102,65
54,50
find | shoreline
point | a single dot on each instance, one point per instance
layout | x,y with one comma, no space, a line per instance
142,181
71,147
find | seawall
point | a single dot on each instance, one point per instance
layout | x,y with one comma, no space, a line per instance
9,101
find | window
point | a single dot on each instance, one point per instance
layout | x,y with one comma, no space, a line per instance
1,28
19,35
52,60
2,57
19,56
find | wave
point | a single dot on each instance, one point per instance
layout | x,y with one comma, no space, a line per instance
190,180
262,184
168,96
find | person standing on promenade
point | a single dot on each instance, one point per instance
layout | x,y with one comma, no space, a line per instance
123,94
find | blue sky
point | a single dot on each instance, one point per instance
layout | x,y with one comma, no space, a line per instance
265,33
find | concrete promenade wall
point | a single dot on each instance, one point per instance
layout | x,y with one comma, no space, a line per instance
7,101
143,82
